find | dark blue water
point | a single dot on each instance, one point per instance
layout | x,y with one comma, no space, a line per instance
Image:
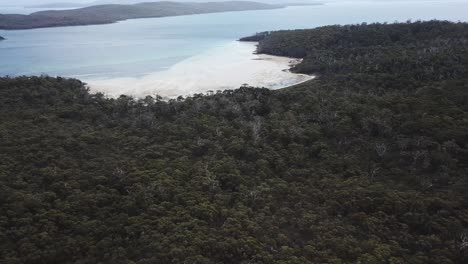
137,47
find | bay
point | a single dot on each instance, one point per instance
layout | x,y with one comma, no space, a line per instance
141,47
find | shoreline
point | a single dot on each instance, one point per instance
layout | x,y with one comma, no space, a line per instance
223,68
294,62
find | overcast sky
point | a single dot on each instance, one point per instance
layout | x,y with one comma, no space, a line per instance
36,2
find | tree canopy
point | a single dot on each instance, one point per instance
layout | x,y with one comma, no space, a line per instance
366,164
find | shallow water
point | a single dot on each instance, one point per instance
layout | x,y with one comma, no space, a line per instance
143,47
226,67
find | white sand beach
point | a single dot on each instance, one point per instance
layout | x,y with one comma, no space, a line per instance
225,67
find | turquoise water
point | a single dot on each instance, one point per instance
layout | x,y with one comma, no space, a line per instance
138,47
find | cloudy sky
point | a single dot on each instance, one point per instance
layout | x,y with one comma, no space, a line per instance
36,2
39,2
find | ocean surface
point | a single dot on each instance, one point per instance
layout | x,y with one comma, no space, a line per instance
142,47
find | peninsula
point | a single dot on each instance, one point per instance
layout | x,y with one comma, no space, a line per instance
106,14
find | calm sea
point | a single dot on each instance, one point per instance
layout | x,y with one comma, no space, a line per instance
137,47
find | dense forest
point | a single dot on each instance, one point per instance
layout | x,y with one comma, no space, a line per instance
105,14
421,51
365,164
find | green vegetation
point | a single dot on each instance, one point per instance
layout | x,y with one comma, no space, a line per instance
106,14
422,51
366,164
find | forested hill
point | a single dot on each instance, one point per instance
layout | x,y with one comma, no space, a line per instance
105,14
366,164
432,50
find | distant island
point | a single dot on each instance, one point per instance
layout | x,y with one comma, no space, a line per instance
2,38
106,14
